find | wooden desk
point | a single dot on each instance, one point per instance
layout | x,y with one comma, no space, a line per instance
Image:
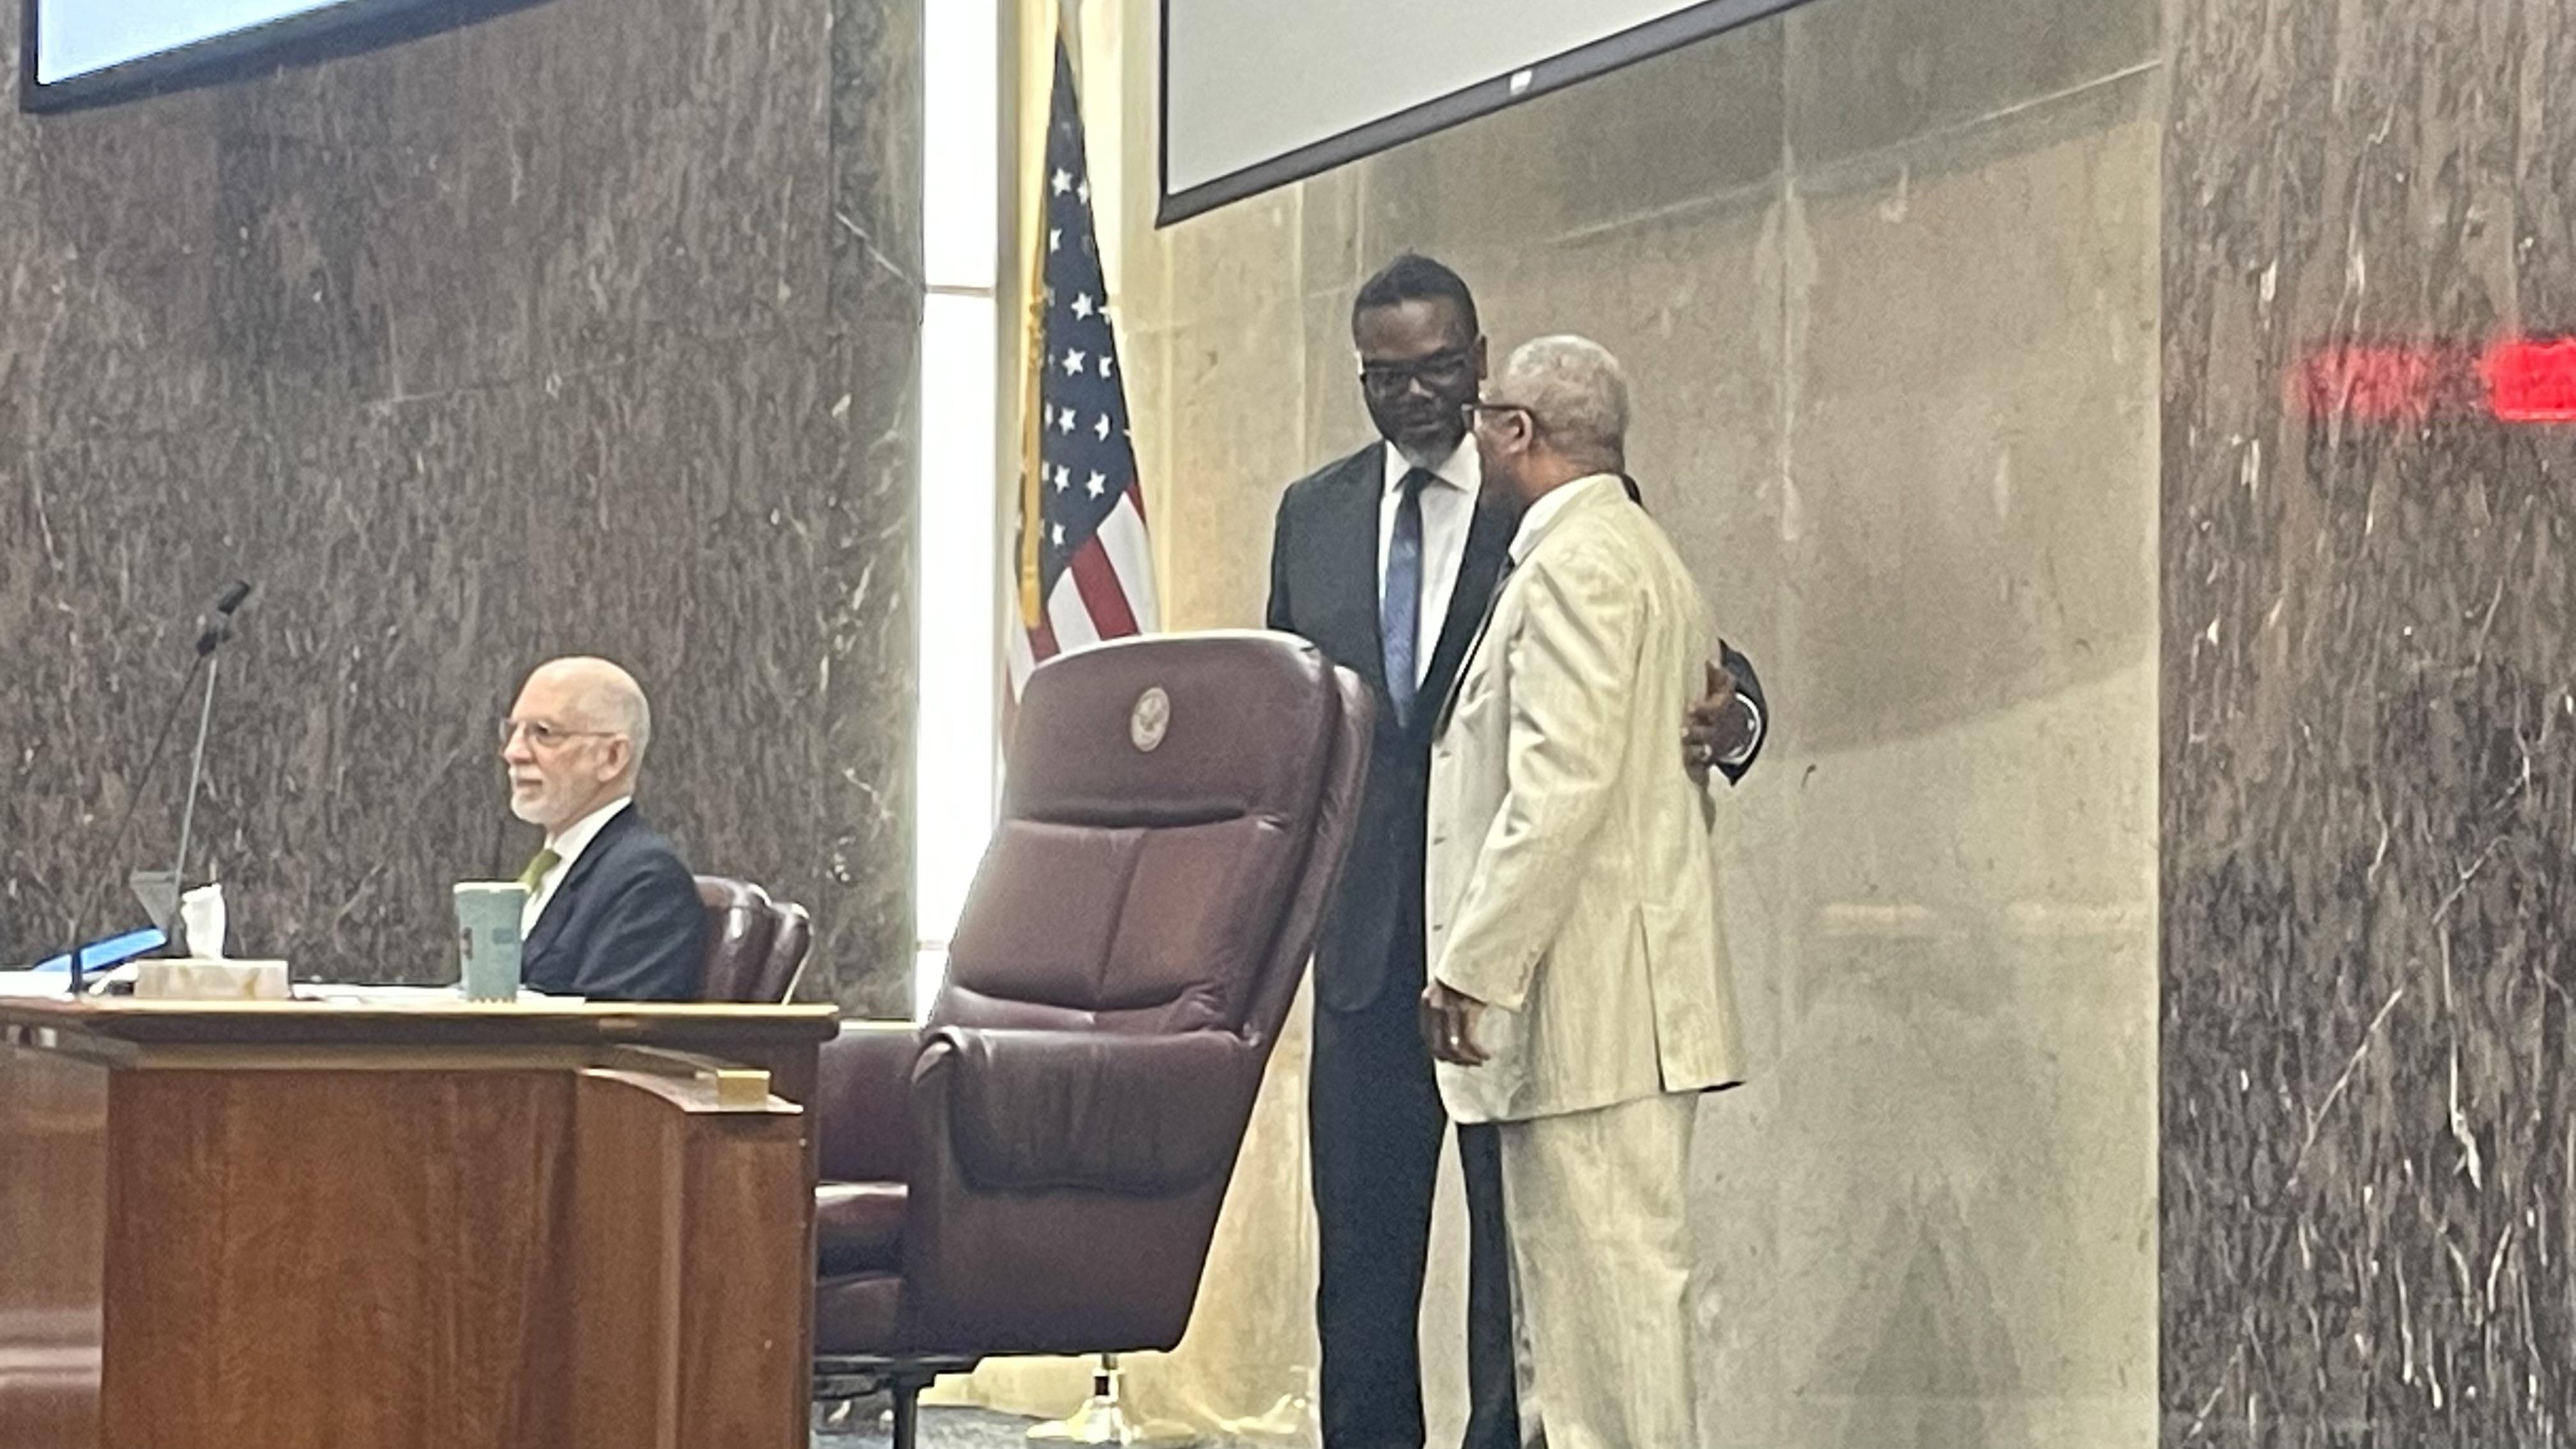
306,1226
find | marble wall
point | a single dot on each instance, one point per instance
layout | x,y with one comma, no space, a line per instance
2369,742
1886,277
588,328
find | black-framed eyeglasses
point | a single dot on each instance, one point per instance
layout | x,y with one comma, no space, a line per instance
1391,378
1467,412
544,736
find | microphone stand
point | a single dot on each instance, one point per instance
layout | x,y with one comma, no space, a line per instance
197,764
218,628
86,901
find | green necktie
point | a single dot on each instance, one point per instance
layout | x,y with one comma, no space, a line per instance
546,860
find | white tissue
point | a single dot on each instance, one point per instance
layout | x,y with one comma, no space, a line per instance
201,922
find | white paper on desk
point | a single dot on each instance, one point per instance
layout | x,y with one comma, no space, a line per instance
34,983
352,994
437,997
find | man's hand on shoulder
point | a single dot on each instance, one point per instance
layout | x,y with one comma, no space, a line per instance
1719,728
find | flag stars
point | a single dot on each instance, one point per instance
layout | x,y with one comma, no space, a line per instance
1083,468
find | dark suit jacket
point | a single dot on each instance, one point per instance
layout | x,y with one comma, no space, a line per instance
625,925
1323,587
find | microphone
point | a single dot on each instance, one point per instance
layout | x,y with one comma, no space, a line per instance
220,628
216,628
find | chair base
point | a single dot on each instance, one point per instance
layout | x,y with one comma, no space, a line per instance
1103,1418
841,1378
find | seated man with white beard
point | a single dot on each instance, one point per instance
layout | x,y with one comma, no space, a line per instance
613,913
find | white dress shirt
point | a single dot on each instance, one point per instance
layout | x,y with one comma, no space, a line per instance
1448,508
567,846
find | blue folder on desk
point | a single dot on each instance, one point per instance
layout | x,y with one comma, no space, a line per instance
109,954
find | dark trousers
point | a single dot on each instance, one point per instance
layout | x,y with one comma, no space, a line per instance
1376,1122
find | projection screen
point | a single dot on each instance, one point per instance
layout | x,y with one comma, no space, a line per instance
1258,93
80,51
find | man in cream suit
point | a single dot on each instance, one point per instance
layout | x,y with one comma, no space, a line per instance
1578,992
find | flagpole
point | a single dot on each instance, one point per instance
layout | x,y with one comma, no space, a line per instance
1032,326
1102,1419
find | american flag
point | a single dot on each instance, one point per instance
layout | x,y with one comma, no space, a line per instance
1086,569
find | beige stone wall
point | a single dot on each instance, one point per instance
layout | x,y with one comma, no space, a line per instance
1885,274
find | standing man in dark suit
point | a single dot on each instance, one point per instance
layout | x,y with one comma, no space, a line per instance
1385,563
612,912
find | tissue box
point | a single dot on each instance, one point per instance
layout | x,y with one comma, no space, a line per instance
189,980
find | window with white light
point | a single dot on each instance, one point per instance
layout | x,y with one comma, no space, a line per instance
960,546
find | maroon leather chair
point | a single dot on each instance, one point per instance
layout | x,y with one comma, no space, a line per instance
755,946
1039,1169
789,949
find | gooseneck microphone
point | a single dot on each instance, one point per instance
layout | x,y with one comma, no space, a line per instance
215,628
219,626
211,638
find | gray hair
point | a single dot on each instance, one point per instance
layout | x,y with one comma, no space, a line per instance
607,696
632,715
1577,392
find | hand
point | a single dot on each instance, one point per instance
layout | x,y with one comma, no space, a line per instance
1717,727
1449,1026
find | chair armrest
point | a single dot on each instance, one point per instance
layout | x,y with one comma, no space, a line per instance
1139,1115
863,1101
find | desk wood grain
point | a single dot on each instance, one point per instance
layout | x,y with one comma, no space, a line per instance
53,1267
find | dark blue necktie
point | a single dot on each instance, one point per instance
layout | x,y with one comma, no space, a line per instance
1399,613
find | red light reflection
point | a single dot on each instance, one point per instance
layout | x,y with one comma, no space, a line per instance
2532,382
2517,380
2374,383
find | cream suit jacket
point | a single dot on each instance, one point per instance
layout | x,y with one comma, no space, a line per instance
1569,883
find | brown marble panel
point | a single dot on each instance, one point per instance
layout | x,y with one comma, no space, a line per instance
2369,740
876,168
514,340
113,322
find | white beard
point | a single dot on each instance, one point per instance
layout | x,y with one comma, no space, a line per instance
1428,462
